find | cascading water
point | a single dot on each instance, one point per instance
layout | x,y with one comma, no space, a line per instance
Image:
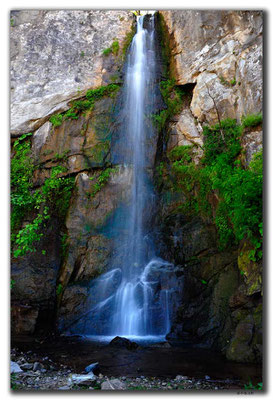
135,298
131,312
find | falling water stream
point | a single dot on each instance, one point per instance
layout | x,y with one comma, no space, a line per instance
135,298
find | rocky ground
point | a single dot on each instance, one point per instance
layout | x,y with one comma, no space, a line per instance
31,372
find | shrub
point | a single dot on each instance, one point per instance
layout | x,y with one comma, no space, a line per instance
51,199
56,119
252,120
238,214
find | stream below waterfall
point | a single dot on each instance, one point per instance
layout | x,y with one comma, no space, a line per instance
149,359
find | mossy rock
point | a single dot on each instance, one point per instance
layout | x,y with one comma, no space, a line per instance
252,271
241,348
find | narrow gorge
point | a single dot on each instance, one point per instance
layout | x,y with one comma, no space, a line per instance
136,191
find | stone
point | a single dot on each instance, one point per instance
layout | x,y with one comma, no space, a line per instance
37,366
15,368
113,384
123,342
179,378
26,366
240,348
92,367
85,380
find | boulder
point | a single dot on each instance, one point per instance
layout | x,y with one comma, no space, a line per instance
121,342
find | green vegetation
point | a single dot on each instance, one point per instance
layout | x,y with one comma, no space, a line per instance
59,289
52,198
87,103
12,283
250,386
114,48
64,245
101,180
13,384
11,22
222,179
173,97
165,47
128,40
56,119
82,54
252,120
107,51
228,83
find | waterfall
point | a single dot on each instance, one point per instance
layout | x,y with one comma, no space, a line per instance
136,297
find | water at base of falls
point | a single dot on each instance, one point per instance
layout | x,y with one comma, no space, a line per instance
135,298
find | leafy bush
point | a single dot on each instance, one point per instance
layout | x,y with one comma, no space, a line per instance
238,214
22,168
56,119
252,120
51,199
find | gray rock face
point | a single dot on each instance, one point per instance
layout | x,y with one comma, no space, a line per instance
220,51
56,56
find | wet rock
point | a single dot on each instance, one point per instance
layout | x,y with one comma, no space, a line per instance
15,368
123,342
79,379
180,378
92,368
26,366
37,366
66,387
113,384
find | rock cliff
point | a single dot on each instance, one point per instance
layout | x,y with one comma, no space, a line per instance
66,72
56,56
218,55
